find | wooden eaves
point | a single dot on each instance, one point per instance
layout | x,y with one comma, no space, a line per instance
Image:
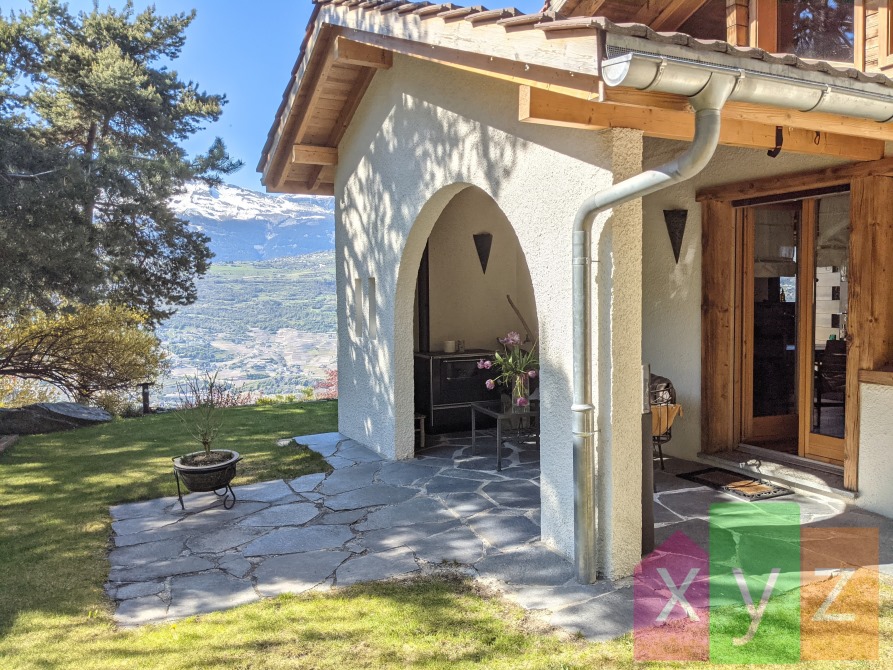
348,42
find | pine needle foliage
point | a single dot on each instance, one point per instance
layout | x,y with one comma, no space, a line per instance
91,125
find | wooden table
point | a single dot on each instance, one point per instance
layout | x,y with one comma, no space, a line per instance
497,410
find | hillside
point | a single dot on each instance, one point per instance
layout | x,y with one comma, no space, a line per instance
267,324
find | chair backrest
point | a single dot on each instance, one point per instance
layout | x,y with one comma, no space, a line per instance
832,366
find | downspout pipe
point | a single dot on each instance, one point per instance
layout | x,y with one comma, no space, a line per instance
712,87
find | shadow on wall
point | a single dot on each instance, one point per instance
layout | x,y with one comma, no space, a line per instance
439,151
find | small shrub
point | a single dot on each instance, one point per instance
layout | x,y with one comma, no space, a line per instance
277,399
121,404
205,396
328,388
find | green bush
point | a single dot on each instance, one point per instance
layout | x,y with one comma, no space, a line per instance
121,404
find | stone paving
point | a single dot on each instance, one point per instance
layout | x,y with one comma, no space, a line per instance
371,519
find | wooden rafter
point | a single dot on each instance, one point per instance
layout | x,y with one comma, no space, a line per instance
815,121
348,52
314,155
343,58
577,7
667,15
538,106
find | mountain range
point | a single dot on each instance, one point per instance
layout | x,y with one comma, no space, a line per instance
249,226
265,314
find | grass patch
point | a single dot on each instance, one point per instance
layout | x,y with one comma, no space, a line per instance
55,491
55,494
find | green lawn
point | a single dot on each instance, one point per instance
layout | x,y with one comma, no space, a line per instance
55,492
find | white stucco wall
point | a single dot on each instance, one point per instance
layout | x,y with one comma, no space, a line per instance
672,293
414,145
465,302
875,448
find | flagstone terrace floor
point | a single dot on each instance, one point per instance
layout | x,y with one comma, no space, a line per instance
371,519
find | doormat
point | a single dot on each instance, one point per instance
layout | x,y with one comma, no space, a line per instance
738,485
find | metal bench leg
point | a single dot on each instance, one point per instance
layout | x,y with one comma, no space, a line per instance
498,445
473,431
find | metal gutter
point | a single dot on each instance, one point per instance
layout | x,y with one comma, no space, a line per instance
708,88
650,72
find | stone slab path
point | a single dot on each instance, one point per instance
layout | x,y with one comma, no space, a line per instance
371,519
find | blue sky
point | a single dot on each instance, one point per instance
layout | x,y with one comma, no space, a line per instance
245,49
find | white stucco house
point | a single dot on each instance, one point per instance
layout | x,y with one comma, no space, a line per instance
566,135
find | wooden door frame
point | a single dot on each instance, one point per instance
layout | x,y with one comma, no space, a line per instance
812,445
870,319
744,352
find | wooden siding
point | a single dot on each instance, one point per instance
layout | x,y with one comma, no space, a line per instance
870,321
719,236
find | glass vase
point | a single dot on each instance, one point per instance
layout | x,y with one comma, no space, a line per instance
521,394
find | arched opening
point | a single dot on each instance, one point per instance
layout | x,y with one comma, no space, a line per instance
472,287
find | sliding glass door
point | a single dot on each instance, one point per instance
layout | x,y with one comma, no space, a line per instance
793,339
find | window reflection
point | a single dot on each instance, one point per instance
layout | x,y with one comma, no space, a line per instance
829,323
821,29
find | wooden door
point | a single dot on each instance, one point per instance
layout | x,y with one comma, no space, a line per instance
770,342
824,353
793,327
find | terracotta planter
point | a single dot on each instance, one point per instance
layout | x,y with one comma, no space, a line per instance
201,478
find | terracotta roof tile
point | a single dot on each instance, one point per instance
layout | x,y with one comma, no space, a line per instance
523,20
412,7
461,12
493,15
389,6
434,10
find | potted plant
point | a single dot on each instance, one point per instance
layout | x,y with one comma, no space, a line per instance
515,369
201,399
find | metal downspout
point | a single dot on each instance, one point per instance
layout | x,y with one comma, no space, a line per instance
707,105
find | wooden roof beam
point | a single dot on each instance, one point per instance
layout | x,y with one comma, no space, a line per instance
673,14
545,107
740,111
314,155
766,186
573,7
348,52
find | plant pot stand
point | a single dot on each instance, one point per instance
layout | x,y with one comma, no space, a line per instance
215,478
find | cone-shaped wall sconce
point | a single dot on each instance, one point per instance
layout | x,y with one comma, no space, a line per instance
675,220
483,242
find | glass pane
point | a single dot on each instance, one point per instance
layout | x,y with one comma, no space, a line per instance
775,310
829,330
821,29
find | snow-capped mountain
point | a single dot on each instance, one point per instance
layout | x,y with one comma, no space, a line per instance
246,225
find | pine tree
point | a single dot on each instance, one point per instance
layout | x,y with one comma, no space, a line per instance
91,122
